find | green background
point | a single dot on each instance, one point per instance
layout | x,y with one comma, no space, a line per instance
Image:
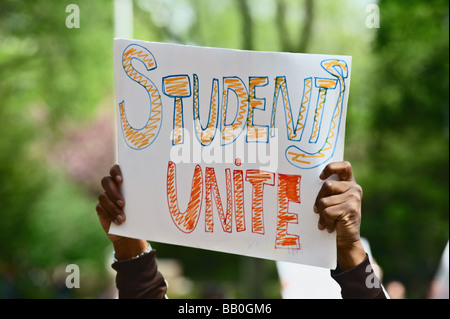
57,134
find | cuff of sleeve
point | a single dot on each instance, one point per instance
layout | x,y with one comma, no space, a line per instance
359,282
139,277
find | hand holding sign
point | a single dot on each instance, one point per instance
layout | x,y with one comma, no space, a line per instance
338,204
222,149
110,210
339,207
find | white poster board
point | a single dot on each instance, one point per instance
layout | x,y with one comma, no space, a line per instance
222,149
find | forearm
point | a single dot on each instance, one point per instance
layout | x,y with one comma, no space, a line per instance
139,278
359,282
350,256
126,248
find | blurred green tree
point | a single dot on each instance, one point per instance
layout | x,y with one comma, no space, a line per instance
406,202
51,77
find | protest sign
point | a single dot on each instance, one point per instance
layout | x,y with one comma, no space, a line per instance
222,149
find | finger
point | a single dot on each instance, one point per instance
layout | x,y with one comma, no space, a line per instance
101,212
110,210
115,214
116,174
330,188
340,209
342,169
330,201
112,191
326,221
321,224
330,191
330,215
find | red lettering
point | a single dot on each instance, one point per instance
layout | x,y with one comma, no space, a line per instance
258,178
213,190
186,221
288,190
238,188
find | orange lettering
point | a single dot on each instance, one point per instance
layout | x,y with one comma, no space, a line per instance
238,187
188,220
258,178
213,190
288,190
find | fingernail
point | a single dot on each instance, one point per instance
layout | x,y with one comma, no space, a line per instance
119,179
320,226
119,218
119,202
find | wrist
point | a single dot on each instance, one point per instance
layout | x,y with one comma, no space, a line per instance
350,257
127,248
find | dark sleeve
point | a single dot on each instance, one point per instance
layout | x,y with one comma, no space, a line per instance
359,282
139,278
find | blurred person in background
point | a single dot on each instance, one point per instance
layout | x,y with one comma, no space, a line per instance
396,289
439,285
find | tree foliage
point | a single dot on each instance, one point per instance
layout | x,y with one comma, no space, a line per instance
406,202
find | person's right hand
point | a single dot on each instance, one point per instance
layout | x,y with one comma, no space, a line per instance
110,202
339,207
110,209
